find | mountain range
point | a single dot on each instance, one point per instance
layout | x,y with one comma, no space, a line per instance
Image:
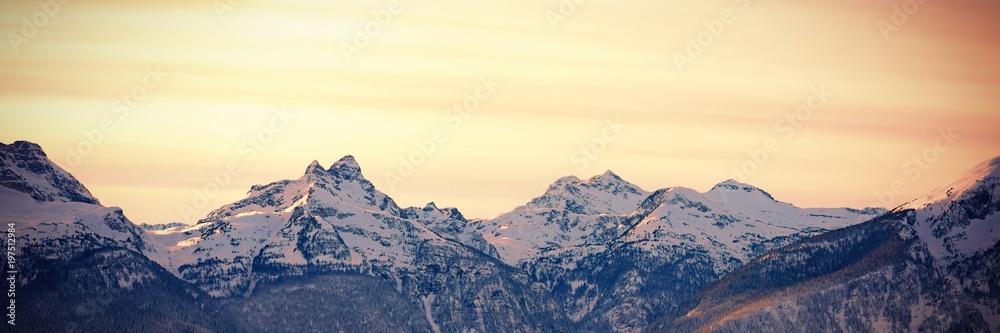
327,251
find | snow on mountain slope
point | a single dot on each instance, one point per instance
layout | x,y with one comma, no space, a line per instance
734,222
327,220
935,260
450,224
604,194
55,217
572,212
617,256
872,277
25,168
960,219
61,230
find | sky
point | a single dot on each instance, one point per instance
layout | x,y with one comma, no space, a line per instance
172,109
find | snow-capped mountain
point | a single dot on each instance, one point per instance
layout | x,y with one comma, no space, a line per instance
959,220
25,168
596,244
960,225
572,212
55,216
76,262
328,251
935,261
334,221
326,219
733,222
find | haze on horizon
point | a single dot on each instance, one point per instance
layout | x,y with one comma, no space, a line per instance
169,94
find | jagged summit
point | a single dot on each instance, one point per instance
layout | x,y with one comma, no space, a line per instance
315,168
317,189
347,168
606,177
565,180
25,168
25,148
603,194
347,161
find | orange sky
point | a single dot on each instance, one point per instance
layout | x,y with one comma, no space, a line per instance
181,85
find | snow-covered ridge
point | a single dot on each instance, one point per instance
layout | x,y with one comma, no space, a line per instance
327,219
733,222
55,217
731,218
162,227
25,168
571,212
960,220
983,174
603,194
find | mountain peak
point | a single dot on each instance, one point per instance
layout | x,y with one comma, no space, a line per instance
567,180
729,186
607,177
315,168
602,194
347,167
25,168
346,161
25,148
